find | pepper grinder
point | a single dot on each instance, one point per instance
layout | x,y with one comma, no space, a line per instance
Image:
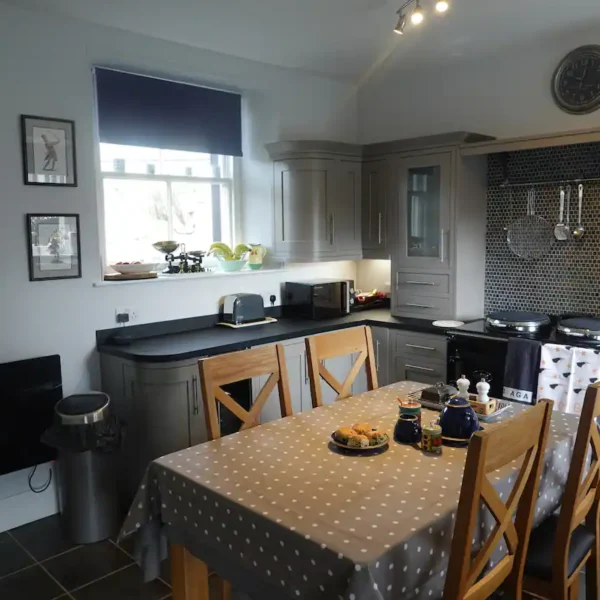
483,389
463,387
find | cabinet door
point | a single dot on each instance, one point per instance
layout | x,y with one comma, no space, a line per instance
406,369
375,187
346,218
381,346
360,384
339,367
298,380
424,211
304,219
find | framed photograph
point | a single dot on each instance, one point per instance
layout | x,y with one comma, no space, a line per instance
54,247
48,151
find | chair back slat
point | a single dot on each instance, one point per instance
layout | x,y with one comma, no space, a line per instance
357,340
581,499
247,364
488,452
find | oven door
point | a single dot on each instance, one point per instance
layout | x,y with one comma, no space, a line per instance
477,357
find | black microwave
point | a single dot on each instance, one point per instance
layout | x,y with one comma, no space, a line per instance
318,299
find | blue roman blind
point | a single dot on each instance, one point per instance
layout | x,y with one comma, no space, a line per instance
135,110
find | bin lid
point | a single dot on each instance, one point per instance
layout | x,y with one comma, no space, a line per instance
82,409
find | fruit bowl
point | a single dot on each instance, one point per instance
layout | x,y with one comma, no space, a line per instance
230,266
128,268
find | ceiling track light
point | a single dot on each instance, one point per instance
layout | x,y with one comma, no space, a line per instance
417,16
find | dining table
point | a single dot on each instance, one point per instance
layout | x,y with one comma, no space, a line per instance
281,512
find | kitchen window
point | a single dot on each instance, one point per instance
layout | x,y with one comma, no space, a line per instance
152,194
167,161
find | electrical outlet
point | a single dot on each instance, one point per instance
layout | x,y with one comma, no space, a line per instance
124,315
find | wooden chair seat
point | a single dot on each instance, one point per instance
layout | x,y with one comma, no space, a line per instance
521,437
357,340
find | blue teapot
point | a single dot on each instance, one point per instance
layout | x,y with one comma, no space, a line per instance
458,421
407,430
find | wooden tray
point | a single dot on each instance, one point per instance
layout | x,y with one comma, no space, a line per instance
234,326
483,408
130,276
345,447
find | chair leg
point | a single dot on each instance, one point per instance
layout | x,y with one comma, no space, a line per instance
225,589
189,575
592,567
574,589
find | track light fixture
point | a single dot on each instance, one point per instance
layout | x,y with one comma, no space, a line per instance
399,29
417,16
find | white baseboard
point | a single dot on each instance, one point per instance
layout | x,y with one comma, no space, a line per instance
19,505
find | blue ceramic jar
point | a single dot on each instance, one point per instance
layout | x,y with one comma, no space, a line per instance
458,421
407,430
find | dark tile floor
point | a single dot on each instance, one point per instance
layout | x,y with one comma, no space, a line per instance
37,562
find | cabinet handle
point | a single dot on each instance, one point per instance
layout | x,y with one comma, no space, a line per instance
332,229
418,305
195,403
305,368
420,368
397,284
379,232
420,282
377,355
420,347
442,250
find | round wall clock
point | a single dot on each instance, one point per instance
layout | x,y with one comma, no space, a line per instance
576,81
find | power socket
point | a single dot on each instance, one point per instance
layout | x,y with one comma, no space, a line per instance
125,315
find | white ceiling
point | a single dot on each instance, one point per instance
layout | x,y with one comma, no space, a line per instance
341,38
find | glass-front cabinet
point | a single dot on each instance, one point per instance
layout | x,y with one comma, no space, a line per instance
424,215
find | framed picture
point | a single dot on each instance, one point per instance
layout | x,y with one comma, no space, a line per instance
48,151
54,247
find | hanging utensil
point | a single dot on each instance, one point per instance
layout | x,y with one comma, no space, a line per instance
560,231
568,221
530,237
580,229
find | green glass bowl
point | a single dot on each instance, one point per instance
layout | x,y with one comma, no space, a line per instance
229,266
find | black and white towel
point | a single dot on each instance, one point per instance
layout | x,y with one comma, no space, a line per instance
521,370
565,374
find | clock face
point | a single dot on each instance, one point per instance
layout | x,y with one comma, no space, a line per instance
576,83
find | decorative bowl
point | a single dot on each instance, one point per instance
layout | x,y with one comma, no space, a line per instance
407,430
458,421
166,247
134,268
232,265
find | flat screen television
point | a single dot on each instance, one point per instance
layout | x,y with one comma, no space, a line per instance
29,390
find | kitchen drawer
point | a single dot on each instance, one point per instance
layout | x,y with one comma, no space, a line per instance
421,346
423,284
430,372
422,307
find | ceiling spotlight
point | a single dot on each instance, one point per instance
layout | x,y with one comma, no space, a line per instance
417,14
399,29
442,6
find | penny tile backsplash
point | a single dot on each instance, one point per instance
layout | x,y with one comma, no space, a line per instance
567,279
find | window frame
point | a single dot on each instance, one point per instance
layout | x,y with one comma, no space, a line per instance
229,179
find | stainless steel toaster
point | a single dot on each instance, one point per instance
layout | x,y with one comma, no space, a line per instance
243,308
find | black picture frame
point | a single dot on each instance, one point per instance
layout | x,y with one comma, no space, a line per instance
52,161
47,236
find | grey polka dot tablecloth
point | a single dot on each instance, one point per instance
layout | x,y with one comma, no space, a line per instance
280,513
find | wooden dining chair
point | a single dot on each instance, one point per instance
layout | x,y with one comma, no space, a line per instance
237,366
523,437
190,575
561,545
340,343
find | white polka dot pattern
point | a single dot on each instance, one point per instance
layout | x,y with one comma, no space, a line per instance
290,509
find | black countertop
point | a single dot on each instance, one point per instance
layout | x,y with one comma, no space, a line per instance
218,339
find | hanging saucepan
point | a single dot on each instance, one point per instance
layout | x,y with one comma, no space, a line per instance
530,237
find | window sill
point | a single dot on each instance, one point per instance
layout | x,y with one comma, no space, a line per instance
190,276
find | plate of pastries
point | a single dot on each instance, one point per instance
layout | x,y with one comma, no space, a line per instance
360,437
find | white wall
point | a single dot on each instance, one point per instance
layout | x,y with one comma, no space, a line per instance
504,95
45,67
373,274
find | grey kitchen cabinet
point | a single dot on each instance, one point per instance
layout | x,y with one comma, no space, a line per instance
381,347
162,406
375,213
418,357
424,211
317,201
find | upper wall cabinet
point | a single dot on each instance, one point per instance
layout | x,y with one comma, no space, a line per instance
317,195
375,210
424,208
